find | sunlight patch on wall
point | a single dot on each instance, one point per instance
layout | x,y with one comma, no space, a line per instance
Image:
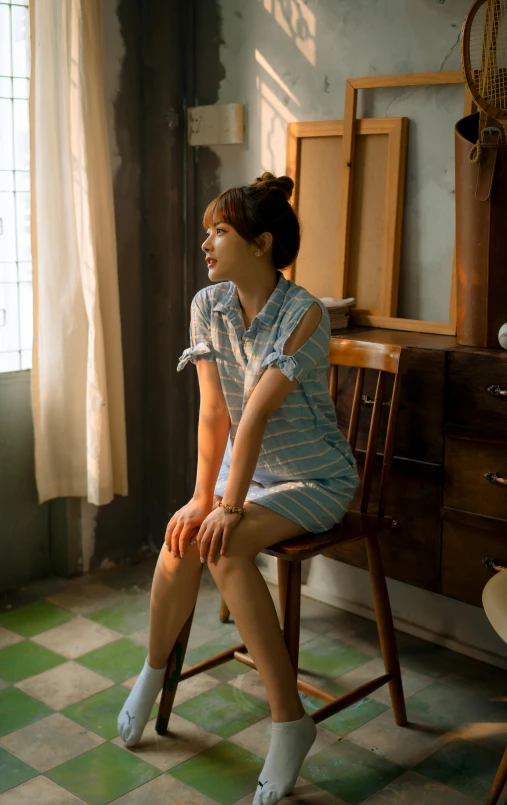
274,75
274,117
298,22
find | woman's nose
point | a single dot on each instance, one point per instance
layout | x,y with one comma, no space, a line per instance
205,245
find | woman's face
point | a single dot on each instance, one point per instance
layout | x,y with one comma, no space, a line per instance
228,255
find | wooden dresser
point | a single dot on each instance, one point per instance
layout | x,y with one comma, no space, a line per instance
447,491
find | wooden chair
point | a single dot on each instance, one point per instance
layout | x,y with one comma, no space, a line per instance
356,525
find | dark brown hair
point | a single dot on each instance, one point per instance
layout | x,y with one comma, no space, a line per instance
262,206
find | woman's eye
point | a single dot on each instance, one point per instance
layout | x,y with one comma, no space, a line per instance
220,230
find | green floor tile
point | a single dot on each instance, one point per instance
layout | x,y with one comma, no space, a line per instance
330,658
13,771
224,672
224,710
26,659
464,766
126,617
349,771
206,650
425,658
225,773
18,710
103,774
350,719
207,614
99,713
35,618
443,707
118,661
229,670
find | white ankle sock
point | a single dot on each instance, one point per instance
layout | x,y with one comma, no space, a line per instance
290,743
136,710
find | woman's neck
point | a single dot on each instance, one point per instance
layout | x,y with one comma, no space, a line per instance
254,295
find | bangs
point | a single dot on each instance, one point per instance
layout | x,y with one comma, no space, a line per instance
228,208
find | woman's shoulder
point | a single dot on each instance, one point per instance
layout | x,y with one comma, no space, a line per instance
208,296
298,299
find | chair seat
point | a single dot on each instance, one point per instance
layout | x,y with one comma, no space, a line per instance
355,525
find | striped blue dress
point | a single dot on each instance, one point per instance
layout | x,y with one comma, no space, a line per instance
306,471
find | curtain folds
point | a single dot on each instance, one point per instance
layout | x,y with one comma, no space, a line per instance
77,374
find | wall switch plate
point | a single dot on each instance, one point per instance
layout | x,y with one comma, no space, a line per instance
220,124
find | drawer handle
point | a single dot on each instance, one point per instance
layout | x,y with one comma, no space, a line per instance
496,391
368,402
492,564
495,478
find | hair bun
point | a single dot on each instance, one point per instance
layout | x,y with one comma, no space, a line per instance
283,184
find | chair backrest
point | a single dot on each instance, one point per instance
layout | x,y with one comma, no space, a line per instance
387,359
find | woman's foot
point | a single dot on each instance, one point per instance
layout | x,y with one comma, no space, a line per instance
290,743
136,710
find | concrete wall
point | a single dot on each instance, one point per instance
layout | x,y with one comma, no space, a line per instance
288,61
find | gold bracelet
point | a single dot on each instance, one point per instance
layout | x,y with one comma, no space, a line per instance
231,509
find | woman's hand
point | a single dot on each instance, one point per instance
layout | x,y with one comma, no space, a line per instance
184,525
214,533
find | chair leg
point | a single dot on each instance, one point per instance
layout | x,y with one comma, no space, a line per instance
499,781
283,580
386,630
292,615
224,612
172,676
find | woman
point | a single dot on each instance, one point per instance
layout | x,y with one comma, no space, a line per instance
272,464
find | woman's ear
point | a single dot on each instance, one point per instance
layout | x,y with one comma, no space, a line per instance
264,242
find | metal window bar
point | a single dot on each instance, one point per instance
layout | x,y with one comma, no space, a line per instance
15,174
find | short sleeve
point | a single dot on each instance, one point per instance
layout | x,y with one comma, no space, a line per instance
313,356
200,331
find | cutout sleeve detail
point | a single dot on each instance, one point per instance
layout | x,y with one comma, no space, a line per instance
312,356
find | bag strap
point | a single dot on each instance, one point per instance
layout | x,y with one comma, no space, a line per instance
485,153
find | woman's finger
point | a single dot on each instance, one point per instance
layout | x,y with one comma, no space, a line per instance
215,543
174,545
184,538
204,543
225,540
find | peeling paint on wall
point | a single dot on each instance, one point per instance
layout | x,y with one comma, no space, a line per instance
114,53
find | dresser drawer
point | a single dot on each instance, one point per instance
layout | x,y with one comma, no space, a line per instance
466,540
476,473
477,390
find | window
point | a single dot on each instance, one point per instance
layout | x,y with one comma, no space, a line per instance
16,315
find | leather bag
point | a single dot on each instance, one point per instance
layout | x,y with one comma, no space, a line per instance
481,232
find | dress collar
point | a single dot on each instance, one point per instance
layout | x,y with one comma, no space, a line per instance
270,310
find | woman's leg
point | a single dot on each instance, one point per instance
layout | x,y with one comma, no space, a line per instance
248,598
173,596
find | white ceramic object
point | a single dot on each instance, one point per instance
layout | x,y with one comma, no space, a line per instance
494,600
502,336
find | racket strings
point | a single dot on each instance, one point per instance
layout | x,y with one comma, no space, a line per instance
488,52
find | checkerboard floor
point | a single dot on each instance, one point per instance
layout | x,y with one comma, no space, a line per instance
70,651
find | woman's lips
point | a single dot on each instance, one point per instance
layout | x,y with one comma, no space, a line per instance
210,262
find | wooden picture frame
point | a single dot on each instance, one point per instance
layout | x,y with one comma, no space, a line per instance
313,161
353,85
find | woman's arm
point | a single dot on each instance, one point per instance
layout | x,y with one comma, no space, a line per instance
213,431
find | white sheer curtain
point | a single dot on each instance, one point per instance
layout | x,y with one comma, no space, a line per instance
77,374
